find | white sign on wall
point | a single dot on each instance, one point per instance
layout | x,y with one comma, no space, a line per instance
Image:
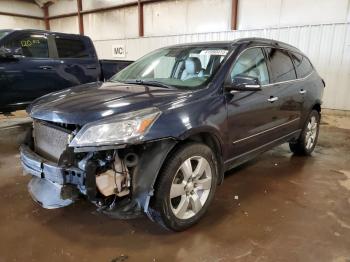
118,51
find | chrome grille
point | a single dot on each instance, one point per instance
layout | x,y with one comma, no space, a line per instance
49,141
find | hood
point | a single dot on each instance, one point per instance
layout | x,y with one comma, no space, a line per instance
90,102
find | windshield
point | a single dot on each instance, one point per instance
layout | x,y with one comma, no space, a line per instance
181,67
3,33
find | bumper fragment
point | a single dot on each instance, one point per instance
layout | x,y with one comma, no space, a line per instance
42,168
48,186
47,194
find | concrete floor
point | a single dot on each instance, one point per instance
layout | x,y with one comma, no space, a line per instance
288,209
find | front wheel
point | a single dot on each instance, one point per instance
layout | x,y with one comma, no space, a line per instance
307,141
185,188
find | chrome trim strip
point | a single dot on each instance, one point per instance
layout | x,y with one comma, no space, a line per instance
267,130
261,147
289,81
253,86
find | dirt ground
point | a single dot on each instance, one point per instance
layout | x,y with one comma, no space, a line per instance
276,208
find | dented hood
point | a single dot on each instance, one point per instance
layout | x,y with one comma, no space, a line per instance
90,102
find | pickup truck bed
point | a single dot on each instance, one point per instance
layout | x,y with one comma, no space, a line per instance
111,67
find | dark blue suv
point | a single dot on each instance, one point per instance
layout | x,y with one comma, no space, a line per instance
158,137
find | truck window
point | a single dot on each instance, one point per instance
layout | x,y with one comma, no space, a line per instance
29,45
281,65
71,48
302,65
3,33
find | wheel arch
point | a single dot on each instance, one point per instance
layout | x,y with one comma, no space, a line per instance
166,148
207,137
317,107
210,137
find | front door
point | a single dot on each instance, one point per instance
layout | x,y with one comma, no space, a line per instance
251,114
28,74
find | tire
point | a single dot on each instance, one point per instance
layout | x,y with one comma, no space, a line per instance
185,187
307,141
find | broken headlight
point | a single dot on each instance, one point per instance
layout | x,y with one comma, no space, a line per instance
116,130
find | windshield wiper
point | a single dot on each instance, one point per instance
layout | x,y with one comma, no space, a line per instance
148,82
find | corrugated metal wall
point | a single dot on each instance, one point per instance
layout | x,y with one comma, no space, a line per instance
328,47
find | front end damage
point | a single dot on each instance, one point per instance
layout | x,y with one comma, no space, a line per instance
118,179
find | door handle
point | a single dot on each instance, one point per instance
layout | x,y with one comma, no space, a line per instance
272,99
91,67
46,67
302,91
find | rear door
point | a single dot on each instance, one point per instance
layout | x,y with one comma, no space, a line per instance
303,69
77,60
30,73
284,86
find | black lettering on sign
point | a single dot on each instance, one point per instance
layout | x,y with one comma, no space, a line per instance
119,50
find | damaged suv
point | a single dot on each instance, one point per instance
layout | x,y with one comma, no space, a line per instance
157,138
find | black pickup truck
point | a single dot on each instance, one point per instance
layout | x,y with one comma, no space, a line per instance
35,62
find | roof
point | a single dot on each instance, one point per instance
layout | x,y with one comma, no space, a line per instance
39,31
252,40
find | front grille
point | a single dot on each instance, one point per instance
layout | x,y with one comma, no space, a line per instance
67,127
50,141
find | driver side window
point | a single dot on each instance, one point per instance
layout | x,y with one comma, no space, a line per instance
29,45
251,63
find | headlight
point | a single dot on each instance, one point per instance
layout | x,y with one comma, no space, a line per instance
120,129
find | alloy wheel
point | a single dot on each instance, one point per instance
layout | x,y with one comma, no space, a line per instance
190,187
311,133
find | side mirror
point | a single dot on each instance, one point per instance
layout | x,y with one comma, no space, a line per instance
5,53
244,83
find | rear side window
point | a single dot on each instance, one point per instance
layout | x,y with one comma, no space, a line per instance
29,45
282,68
302,65
71,48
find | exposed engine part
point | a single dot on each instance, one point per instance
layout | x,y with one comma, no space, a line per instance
131,159
82,163
115,181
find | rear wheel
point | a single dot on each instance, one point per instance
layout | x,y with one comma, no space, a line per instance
185,188
307,141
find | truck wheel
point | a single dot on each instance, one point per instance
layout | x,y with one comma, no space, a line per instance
307,141
185,187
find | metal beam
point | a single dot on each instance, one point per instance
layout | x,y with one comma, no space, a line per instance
20,15
109,8
46,16
140,15
80,17
63,15
120,6
234,14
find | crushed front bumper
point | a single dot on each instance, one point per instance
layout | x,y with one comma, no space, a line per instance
151,157
46,186
38,166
